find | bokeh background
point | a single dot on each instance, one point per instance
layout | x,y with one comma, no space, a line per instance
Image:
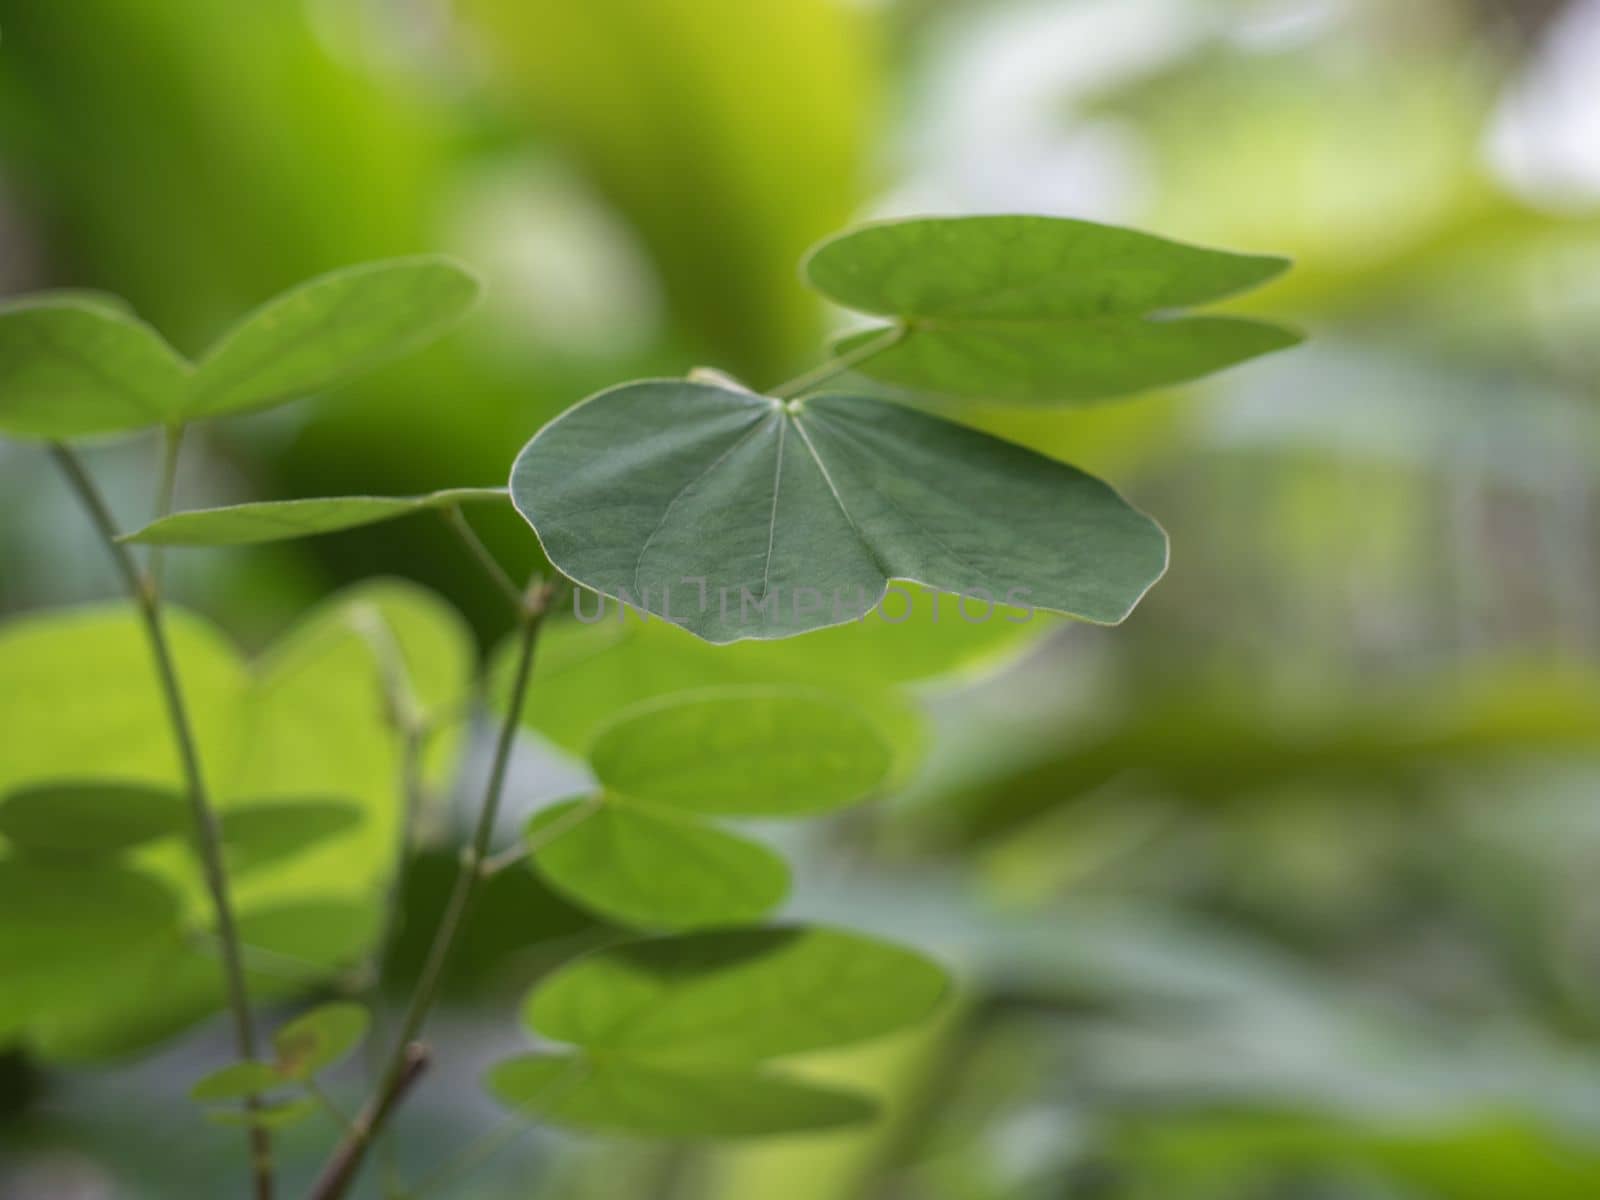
1286,890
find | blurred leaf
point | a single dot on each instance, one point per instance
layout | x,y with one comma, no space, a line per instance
1039,309
319,1039
653,868
236,1081
743,752
67,932
770,519
673,108
257,835
323,332
282,520
90,817
736,996
657,1099
74,368
268,1116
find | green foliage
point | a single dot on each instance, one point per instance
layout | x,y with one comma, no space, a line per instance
261,834
736,996
236,1081
1039,310
651,867
77,367
89,817
281,520
669,1099
741,516
320,1038
753,752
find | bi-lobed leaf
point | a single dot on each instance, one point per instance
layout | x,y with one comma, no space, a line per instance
73,366
1039,310
736,996
744,751
319,1039
741,516
265,832
236,1081
278,1115
80,364
282,520
652,868
322,333
90,817
658,1099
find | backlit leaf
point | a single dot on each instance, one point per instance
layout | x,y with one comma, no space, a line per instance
653,868
1039,310
71,367
282,520
319,1039
739,516
743,752
656,1099
736,996
256,835
324,332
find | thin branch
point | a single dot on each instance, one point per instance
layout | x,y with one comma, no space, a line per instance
528,847
166,490
341,1170
457,520
892,337
143,592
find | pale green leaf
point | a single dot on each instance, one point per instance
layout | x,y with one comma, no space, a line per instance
319,1039
1032,309
736,996
739,516
744,752
267,1116
76,367
282,520
323,332
655,1099
236,1081
653,868
90,816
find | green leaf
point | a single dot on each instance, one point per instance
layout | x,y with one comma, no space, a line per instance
282,520
744,752
319,1039
236,1081
1040,309
90,816
68,931
739,516
653,868
267,1116
736,996
322,333
257,835
654,1099
76,367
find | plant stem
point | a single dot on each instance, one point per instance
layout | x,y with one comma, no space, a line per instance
143,592
342,1168
845,362
457,520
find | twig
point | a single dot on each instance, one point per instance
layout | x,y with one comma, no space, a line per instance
845,362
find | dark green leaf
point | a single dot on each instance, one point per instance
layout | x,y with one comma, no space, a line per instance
282,520
744,752
736,996
236,1081
256,835
324,332
654,1099
76,367
654,868
319,1039
90,817
1040,309
740,516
